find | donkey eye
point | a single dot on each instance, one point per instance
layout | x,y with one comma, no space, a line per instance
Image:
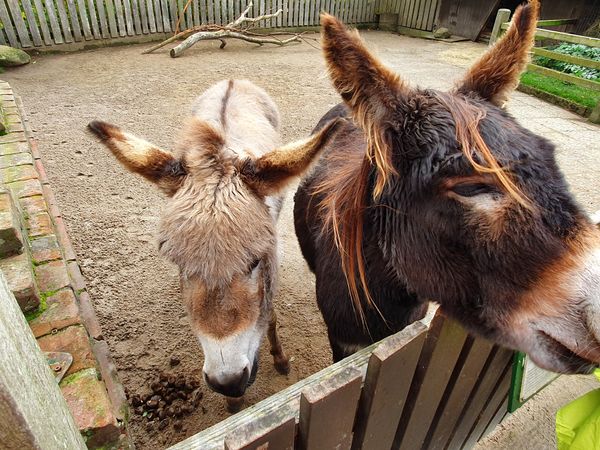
473,189
254,265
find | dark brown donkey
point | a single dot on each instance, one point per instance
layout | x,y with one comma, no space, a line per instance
444,196
224,184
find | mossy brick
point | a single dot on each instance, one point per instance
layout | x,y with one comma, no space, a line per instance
18,136
18,173
15,127
27,188
73,340
33,205
52,276
89,403
63,238
44,249
18,274
11,239
77,280
61,311
14,148
16,159
39,225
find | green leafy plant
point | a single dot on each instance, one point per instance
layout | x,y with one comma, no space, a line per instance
580,50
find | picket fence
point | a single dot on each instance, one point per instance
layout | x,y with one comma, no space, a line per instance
426,387
42,23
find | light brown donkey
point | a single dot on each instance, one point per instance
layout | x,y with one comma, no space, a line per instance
224,184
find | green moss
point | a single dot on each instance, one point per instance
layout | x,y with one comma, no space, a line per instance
42,307
571,92
77,376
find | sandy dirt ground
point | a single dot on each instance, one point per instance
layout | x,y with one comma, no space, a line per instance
112,215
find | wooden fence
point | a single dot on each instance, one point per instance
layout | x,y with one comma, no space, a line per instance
42,23
427,387
405,15
501,24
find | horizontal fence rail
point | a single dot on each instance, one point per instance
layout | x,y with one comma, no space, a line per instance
427,387
43,23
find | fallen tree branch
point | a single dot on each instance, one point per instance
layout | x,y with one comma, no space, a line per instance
219,35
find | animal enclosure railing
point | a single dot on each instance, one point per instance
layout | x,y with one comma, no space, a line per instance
432,387
502,23
43,23
411,14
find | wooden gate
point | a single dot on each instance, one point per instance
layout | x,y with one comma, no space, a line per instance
427,387
44,23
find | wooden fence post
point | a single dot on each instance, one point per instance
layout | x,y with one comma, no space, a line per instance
595,115
502,16
33,412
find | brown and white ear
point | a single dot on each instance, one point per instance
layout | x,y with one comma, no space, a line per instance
140,156
496,74
374,93
273,171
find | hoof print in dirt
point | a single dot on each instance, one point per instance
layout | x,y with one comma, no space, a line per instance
171,398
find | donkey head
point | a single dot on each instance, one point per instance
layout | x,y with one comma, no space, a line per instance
469,207
217,228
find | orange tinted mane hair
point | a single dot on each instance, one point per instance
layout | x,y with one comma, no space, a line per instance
345,192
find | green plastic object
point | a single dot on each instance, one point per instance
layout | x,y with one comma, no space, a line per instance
578,423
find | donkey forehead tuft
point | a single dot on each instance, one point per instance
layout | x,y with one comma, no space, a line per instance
215,229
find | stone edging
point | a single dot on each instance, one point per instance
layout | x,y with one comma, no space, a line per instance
65,319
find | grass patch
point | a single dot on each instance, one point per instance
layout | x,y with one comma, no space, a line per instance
576,94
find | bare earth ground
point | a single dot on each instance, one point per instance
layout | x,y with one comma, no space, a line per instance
112,215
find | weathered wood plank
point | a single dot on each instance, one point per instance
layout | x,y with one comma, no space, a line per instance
555,22
32,22
480,396
586,62
173,13
137,18
500,394
144,7
389,375
279,18
8,28
93,15
2,38
64,20
111,11
33,410
43,22
327,411
164,6
496,420
17,19
275,430
196,10
154,7
189,16
74,20
203,12
210,11
561,36
57,36
589,84
217,7
435,368
85,23
128,17
120,17
502,16
471,364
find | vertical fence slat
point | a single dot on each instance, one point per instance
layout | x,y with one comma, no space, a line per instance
203,16
64,19
32,22
94,19
43,22
8,28
144,16
2,38
472,364
74,19
155,8
137,20
327,411
128,17
482,392
441,350
180,16
210,12
196,11
54,25
102,18
500,394
111,12
85,23
164,6
120,18
271,431
500,414
231,16
15,12
383,397
217,8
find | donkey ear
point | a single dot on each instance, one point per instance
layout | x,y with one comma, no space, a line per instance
496,74
140,156
271,172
